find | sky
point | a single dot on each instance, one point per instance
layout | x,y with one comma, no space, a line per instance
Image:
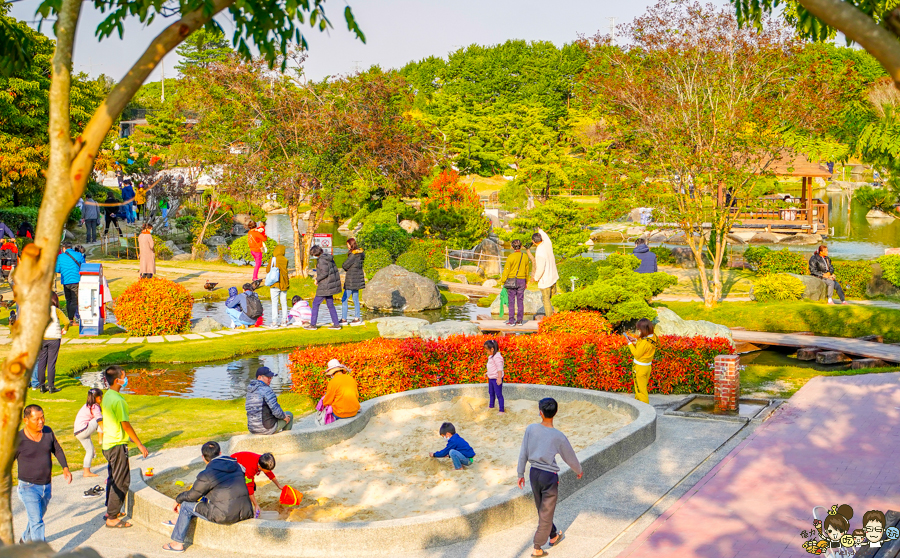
397,31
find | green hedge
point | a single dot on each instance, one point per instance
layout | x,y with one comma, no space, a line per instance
585,269
782,261
12,216
664,256
890,266
778,286
375,261
854,277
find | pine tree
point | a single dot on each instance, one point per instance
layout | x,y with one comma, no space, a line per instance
203,48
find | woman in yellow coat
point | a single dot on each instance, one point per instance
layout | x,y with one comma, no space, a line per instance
643,348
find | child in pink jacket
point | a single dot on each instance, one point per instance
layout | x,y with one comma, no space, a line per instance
494,372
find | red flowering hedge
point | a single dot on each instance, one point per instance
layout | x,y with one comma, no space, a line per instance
582,323
155,307
599,362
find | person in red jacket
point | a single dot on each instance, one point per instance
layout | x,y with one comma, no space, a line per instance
256,239
253,464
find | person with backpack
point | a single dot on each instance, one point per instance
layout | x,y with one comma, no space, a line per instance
328,284
68,265
354,279
244,309
278,281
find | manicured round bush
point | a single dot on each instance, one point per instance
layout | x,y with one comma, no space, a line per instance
384,235
376,260
778,286
240,250
579,323
783,261
155,307
416,262
753,255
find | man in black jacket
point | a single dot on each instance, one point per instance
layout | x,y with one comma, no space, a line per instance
820,266
328,284
224,489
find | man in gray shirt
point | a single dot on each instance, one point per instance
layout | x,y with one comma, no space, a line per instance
540,446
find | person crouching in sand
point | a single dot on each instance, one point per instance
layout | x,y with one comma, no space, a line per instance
540,446
457,449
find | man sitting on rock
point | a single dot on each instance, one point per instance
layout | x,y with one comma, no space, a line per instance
218,495
820,266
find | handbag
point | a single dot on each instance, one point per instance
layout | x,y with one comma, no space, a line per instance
512,282
324,414
273,275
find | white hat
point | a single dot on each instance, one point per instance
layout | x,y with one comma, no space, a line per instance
333,366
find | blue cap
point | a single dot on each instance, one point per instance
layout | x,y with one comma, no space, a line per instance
264,371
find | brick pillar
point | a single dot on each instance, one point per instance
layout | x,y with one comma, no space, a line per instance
727,382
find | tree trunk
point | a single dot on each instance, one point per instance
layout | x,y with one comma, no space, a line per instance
300,262
34,275
718,256
708,297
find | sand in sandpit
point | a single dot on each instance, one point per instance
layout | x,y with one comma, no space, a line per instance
384,472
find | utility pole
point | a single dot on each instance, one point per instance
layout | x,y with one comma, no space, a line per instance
612,28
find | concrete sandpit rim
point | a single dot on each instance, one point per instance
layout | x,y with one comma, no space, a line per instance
498,512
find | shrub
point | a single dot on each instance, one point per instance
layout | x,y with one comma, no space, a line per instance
890,268
664,256
621,261
579,323
854,277
223,252
155,307
388,236
778,286
585,269
376,260
163,252
600,362
416,262
753,255
12,216
872,198
560,218
783,261
240,250
619,293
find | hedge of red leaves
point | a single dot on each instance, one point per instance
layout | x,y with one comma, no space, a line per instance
579,323
155,307
599,362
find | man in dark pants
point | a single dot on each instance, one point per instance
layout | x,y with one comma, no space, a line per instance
116,432
68,265
518,268
540,447
91,215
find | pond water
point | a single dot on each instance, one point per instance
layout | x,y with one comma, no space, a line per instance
278,227
787,357
854,237
223,380
455,312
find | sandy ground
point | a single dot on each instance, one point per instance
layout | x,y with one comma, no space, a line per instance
384,472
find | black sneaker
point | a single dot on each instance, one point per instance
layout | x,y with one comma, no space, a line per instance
335,326
43,389
54,390
520,322
343,321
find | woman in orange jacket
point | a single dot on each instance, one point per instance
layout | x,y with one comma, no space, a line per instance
256,239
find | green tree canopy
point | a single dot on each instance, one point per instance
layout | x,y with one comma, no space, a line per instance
203,48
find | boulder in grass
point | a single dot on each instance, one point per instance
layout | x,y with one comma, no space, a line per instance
399,327
396,288
814,288
490,283
205,325
764,238
668,322
471,269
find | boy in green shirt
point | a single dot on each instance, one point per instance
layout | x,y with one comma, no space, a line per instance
116,432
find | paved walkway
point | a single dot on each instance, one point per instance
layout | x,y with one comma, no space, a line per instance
835,442
859,347
593,518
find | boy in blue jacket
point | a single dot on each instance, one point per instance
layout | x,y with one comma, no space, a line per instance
457,449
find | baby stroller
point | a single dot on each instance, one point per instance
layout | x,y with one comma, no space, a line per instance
9,257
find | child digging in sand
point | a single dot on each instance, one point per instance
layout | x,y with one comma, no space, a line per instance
457,449
254,464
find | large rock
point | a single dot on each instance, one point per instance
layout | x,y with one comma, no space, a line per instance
471,269
243,219
409,226
534,304
395,288
181,258
734,239
877,214
878,286
399,327
814,288
205,325
216,241
238,230
462,279
802,239
764,238
607,236
490,252
442,330
173,247
668,322
490,283
684,257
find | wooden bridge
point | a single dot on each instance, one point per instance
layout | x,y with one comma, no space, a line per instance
863,348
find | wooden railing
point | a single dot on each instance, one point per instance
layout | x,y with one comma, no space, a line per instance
776,212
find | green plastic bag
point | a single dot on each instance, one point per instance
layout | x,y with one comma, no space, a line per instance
504,300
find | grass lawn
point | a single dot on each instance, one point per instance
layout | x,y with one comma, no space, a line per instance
788,317
735,282
165,422
783,381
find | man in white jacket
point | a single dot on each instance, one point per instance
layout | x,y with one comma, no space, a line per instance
545,269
